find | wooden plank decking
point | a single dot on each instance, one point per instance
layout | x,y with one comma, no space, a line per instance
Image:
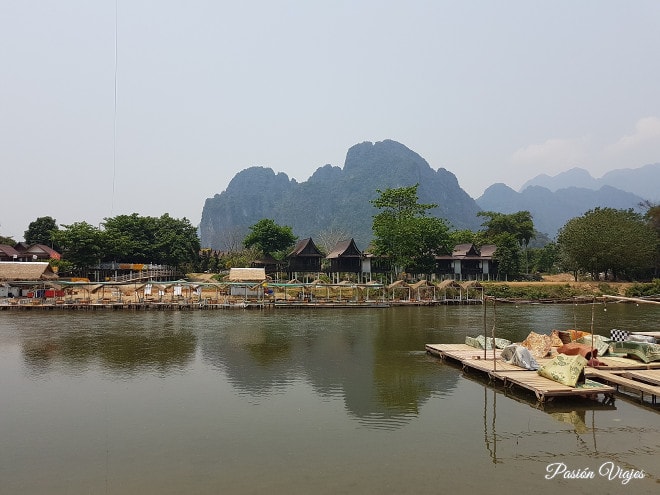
543,388
640,381
615,363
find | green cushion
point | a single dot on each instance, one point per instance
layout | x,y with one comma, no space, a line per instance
641,350
567,370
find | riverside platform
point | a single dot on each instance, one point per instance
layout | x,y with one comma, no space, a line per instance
489,362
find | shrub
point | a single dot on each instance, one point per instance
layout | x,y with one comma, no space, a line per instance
644,289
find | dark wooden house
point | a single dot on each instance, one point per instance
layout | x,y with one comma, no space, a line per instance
305,257
489,263
345,258
444,265
466,262
469,261
36,252
8,253
372,264
270,264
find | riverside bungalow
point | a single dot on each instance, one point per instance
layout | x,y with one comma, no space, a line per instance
345,258
26,252
305,257
8,253
489,263
268,263
444,266
466,262
37,252
372,264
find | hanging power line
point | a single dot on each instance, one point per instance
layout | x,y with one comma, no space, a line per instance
114,123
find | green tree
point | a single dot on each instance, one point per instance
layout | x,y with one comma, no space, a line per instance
462,237
652,217
81,244
544,259
269,237
500,226
431,236
214,263
164,240
403,232
41,231
8,241
177,243
131,238
608,241
507,255
205,259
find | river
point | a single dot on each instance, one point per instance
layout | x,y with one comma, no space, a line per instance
303,401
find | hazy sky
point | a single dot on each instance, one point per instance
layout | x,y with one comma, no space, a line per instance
491,91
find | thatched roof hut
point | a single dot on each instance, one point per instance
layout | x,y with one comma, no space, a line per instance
26,271
473,290
247,274
398,286
423,290
450,290
449,283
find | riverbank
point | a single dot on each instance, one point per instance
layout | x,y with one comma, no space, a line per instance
201,291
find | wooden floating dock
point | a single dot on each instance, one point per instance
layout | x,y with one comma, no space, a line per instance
509,375
642,381
134,306
185,305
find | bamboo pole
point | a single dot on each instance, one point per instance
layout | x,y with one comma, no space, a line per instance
632,299
493,334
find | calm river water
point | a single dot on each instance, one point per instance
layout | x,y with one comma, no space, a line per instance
301,401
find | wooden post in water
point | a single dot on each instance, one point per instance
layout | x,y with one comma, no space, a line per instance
493,334
485,346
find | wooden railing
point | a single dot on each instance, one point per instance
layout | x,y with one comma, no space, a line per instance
145,275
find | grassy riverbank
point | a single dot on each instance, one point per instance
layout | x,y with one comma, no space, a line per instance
560,287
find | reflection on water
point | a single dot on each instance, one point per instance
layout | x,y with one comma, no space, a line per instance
319,400
578,428
366,356
354,358
116,346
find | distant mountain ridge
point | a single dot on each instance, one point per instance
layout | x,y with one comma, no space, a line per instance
552,209
333,198
643,181
338,199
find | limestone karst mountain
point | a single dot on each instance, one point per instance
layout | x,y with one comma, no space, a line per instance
333,198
